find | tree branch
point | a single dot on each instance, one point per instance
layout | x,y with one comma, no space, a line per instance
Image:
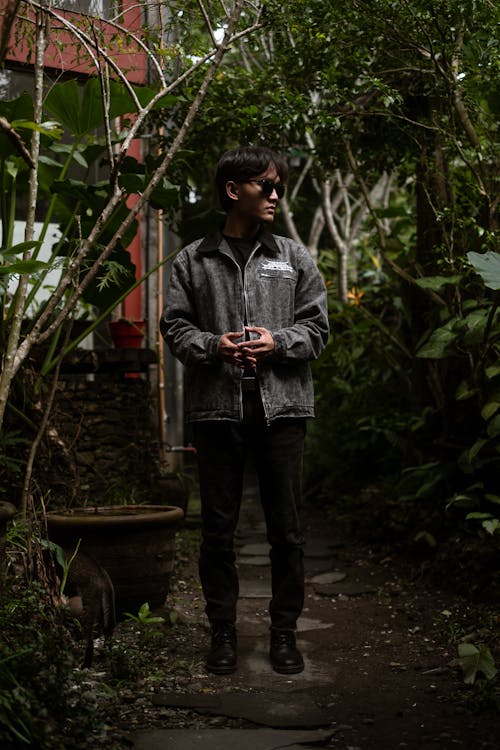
381,234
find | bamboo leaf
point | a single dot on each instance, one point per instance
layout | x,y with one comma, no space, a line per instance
22,267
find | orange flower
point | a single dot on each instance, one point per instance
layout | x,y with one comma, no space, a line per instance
355,296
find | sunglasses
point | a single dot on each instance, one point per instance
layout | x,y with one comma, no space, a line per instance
268,186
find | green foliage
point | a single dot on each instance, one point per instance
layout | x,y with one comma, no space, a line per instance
39,705
449,629
144,617
12,444
488,266
361,401
475,660
124,664
74,188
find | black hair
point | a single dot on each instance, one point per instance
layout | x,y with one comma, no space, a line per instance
244,162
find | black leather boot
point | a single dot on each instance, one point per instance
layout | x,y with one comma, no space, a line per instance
222,657
284,655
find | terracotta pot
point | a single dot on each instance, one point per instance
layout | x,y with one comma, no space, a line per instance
134,543
127,334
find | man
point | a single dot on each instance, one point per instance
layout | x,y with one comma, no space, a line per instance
246,312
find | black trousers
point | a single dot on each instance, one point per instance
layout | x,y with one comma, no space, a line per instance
277,452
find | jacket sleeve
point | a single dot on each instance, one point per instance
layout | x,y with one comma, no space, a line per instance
308,336
178,323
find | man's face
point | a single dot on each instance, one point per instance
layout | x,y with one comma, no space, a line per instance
251,203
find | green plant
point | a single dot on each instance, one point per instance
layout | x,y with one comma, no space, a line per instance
483,695
448,628
149,633
41,704
124,664
144,618
476,660
362,409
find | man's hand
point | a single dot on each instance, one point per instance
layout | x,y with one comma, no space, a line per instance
257,349
230,352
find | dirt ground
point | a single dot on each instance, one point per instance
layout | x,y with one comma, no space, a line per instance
379,643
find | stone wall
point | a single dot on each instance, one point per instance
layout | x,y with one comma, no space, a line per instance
106,434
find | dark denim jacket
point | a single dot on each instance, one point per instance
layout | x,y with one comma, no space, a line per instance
282,291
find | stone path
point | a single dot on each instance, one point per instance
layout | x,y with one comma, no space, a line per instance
375,676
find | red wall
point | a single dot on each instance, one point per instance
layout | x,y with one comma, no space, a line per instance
64,54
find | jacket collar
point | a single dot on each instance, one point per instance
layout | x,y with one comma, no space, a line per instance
215,241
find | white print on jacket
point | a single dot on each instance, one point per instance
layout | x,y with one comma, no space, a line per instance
277,268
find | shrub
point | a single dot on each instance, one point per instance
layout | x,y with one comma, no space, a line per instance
41,704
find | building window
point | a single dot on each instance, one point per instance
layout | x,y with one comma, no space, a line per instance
100,8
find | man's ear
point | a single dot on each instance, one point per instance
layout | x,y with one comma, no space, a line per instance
232,190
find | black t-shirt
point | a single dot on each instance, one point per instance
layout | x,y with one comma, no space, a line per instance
242,249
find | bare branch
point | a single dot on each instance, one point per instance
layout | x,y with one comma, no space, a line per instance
17,141
207,22
317,226
289,221
9,363
105,94
305,169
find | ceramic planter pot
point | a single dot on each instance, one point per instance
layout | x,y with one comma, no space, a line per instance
134,543
127,334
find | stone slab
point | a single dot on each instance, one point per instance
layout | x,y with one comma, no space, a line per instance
226,739
260,562
255,589
346,588
306,623
259,550
314,565
270,709
318,548
333,576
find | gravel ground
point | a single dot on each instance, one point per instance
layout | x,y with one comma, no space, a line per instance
387,645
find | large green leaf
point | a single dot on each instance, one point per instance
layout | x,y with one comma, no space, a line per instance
81,110
63,101
439,345
474,660
49,128
488,267
74,191
437,283
476,324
